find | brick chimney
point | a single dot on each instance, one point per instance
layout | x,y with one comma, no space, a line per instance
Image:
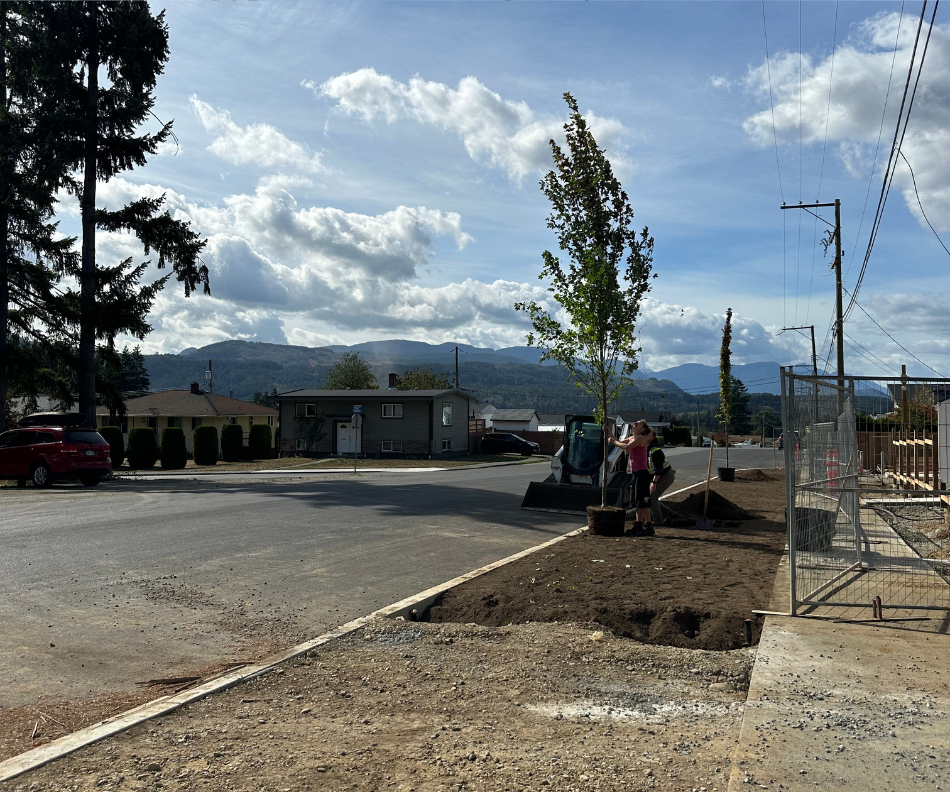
392,382
195,389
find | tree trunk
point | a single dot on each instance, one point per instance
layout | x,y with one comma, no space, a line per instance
4,221
87,288
603,470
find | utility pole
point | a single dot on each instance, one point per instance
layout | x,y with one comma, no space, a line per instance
456,366
814,355
836,266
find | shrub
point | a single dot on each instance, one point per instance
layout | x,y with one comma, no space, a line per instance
206,445
143,450
174,450
113,436
259,441
678,435
232,442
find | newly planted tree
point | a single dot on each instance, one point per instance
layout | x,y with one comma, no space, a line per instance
601,285
725,379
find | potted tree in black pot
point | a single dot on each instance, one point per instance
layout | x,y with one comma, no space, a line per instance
726,473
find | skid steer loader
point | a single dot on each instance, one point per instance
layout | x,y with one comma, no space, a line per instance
577,471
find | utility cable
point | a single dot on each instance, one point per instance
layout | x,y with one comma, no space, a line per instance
768,69
914,179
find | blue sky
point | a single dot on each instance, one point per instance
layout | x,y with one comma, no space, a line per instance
370,170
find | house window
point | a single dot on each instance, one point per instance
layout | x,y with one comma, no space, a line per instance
392,445
174,423
446,413
306,410
447,444
270,420
232,420
153,423
303,445
392,411
250,420
195,423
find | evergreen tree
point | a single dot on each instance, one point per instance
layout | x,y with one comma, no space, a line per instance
104,139
266,399
32,168
739,412
351,372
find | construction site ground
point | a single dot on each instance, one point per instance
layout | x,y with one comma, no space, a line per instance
429,706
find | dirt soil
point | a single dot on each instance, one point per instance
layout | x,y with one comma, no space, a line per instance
564,705
428,707
684,587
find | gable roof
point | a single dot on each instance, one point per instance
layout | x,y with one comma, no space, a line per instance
184,403
650,416
383,394
513,415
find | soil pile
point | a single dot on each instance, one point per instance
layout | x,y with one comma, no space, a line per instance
720,508
753,475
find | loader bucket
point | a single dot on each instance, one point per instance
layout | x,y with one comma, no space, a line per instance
566,498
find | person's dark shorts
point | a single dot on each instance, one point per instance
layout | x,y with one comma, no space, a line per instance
641,488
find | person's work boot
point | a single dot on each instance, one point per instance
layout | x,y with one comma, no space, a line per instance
636,530
648,530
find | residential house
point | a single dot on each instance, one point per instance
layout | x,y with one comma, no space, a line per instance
430,424
514,421
657,421
550,422
189,409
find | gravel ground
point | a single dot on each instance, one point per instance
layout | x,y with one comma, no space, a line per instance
426,707
923,527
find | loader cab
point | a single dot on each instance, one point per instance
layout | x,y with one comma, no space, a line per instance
583,449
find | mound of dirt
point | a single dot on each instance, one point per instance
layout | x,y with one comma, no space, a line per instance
720,508
753,475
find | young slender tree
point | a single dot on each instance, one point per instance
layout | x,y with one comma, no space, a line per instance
600,287
725,378
117,50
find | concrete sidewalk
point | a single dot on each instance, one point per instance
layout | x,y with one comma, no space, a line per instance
837,705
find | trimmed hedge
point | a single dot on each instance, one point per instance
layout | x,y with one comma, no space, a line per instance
678,435
143,450
174,450
232,442
113,436
206,445
259,442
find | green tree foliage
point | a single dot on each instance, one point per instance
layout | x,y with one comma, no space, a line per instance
766,419
266,399
608,272
725,378
232,442
34,315
739,414
113,436
352,372
174,451
312,429
260,442
422,379
129,46
143,450
205,445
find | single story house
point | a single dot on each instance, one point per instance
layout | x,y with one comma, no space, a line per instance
514,421
550,422
393,423
189,409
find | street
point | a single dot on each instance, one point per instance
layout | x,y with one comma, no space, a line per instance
132,581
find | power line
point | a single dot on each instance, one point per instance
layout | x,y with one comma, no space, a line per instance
864,310
895,146
768,69
914,179
869,352
877,147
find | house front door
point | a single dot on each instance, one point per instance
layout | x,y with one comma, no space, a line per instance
347,438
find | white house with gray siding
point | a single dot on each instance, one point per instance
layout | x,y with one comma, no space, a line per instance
430,424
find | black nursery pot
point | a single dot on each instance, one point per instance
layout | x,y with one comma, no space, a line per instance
727,474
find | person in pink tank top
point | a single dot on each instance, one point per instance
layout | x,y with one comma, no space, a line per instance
636,447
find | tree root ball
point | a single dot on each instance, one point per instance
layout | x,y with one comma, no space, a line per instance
605,520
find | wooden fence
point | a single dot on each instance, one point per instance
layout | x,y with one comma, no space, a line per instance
915,463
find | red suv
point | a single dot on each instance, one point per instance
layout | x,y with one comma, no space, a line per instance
44,454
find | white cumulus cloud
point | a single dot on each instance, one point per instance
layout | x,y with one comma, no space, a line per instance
861,69
255,144
498,132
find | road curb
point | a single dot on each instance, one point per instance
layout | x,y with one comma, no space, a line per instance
37,757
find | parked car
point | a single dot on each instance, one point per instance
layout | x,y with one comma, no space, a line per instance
506,443
781,442
708,441
44,454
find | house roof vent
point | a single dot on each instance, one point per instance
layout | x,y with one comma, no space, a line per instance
195,388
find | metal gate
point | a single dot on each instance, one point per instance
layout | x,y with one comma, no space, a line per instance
861,534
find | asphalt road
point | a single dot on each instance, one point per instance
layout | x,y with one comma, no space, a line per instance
102,588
